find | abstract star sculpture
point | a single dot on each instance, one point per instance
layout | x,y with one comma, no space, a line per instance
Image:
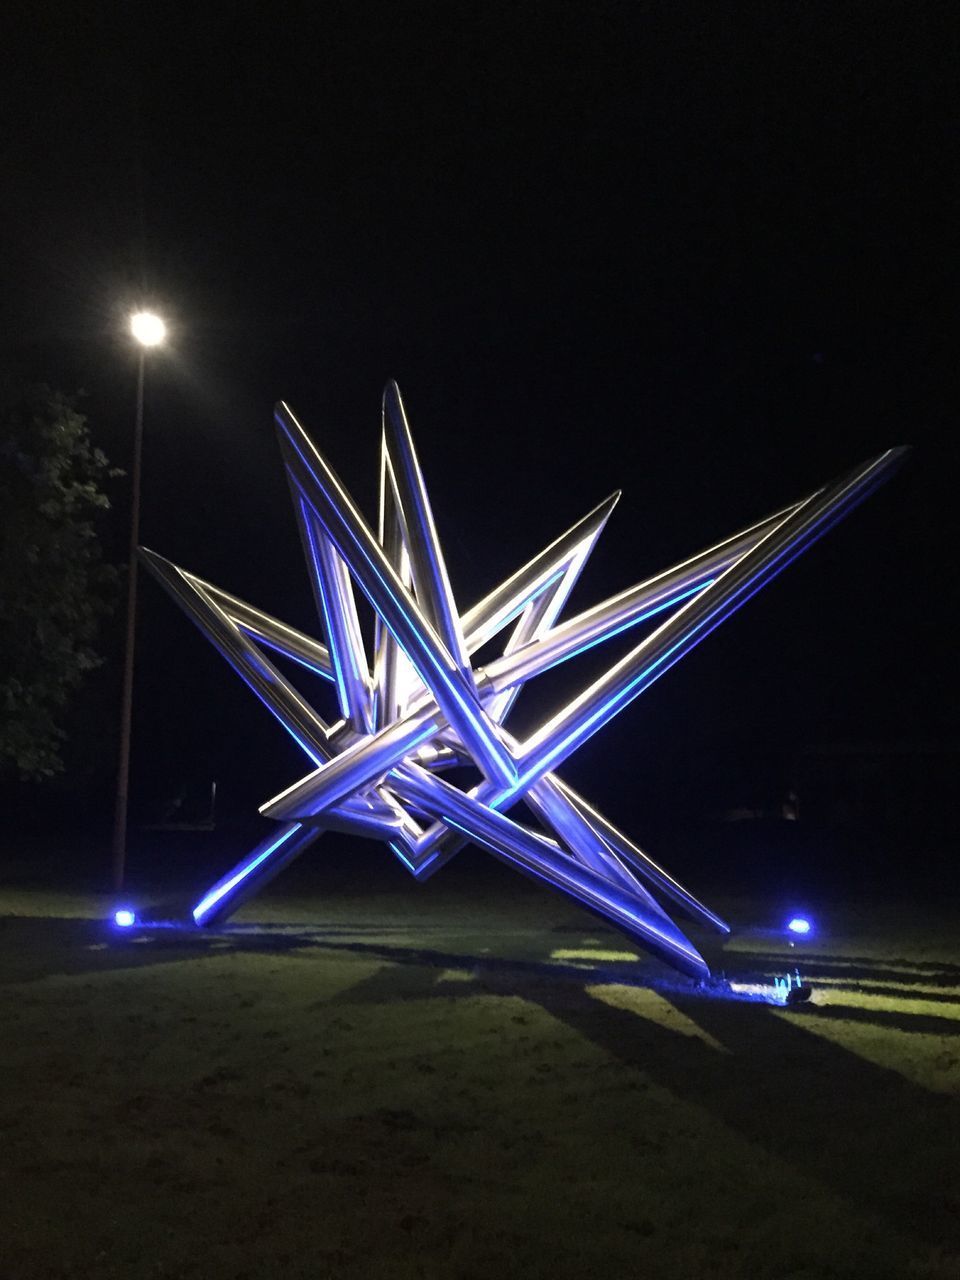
422,708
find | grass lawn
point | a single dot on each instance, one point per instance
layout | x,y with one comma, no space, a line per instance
430,1082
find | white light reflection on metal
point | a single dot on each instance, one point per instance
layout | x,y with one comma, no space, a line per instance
421,706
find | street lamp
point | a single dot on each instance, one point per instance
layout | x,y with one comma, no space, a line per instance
149,331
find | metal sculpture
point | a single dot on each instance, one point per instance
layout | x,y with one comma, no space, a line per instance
424,708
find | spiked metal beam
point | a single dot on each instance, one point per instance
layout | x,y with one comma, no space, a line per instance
425,707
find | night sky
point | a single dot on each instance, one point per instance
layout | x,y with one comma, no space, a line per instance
705,253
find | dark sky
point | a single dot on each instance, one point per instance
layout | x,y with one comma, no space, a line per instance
702,252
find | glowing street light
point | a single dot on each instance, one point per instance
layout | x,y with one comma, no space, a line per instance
149,331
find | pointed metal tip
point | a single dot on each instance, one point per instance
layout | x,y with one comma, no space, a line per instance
392,401
164,570
393,409
677,949
884,464
395,424
281,417
288,430
601,512
698,967
893,456
152,557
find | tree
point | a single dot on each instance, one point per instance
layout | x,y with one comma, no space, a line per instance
54,585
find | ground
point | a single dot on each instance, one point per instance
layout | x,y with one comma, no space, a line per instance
426,1082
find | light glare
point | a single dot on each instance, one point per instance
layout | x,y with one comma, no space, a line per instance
148,329
799,924
124,918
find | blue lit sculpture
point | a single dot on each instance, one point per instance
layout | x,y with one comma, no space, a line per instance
424,708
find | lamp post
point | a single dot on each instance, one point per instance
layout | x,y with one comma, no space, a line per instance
149,331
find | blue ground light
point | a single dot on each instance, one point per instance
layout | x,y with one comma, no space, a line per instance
124,918
799,925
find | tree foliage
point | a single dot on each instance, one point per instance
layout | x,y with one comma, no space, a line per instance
54,585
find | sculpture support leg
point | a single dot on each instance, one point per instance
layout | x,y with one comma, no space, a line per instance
635,914
250,875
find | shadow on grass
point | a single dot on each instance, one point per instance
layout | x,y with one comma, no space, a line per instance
862,969
878,1140
32,948
805,1100
801,1097
37,947
930,1024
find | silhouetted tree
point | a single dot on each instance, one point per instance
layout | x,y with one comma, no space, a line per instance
54,585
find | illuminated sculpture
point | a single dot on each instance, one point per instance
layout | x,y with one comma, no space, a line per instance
378,771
